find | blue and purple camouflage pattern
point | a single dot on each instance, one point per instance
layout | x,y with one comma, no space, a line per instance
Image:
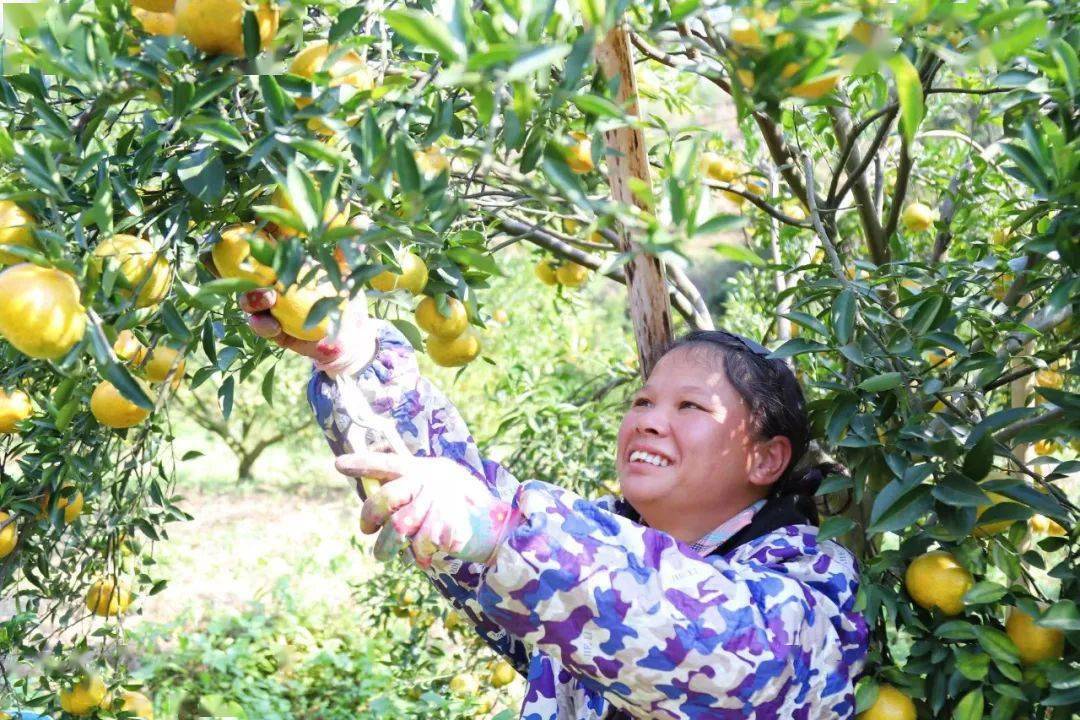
603,614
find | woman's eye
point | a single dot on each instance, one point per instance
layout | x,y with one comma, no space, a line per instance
639,402
687,403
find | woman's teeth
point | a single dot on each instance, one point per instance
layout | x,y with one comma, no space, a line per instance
642,456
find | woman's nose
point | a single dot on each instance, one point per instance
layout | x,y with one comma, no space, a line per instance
652,421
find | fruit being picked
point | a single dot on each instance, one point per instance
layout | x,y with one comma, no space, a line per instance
936,579
233,259
40,312
216,26
454,352
14,407
108,598
113,409
16,226
918,217
141,268
448,326
84,697
891,704
9,536
1035,643
292,308
413,276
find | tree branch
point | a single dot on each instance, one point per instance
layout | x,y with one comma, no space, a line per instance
864,199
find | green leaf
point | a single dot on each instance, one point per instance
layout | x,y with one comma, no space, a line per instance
559,175
303,195
267,387
321,308
425,30
956,490
739,253
980,459
469,257
225,286
910,93
984,593
599,106
174,322
996,643
536,59
882,382
345,22
274,97
720,223
1062,615
1013,41
970,707
203,175
216,128
251,34
797,346
411,333
408,174
834,527
225,396
897,507
843,316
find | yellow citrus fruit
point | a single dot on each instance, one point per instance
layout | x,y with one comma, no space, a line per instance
156,23
14,406
891,704
545,271
795,211
746,77
462,685
1001,236
571,274
745,32
40,313
454,352
432,161
500,316
938,359
735,198
1049,379
936,579
9,536
918,217
127,347
503,674
233,259
1000,289
579,154
113,409
864,32
994,527
1046,447
84,697
443,326
817,87
71,504
292,308
453,620
158,6
15,229
163,362
349,70
216,26
107,598
334,216
140,266
1034,642
413,277
721,168
137,704
1046,526
758,187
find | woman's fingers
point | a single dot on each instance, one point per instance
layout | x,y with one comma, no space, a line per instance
381,466
390,498
264,325
256,301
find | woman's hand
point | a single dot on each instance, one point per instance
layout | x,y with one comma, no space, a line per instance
353,342
433,503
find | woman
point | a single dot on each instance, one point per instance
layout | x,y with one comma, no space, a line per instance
703,593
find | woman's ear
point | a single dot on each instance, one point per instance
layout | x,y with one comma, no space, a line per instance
770,458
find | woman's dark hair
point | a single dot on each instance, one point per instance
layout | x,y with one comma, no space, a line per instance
777,408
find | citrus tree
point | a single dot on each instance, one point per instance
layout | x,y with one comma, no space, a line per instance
904,176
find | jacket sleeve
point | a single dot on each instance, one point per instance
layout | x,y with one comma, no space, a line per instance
661,631
430,426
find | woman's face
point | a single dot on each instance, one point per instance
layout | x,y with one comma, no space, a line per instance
686,445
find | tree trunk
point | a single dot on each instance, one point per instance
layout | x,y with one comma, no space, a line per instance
650,311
